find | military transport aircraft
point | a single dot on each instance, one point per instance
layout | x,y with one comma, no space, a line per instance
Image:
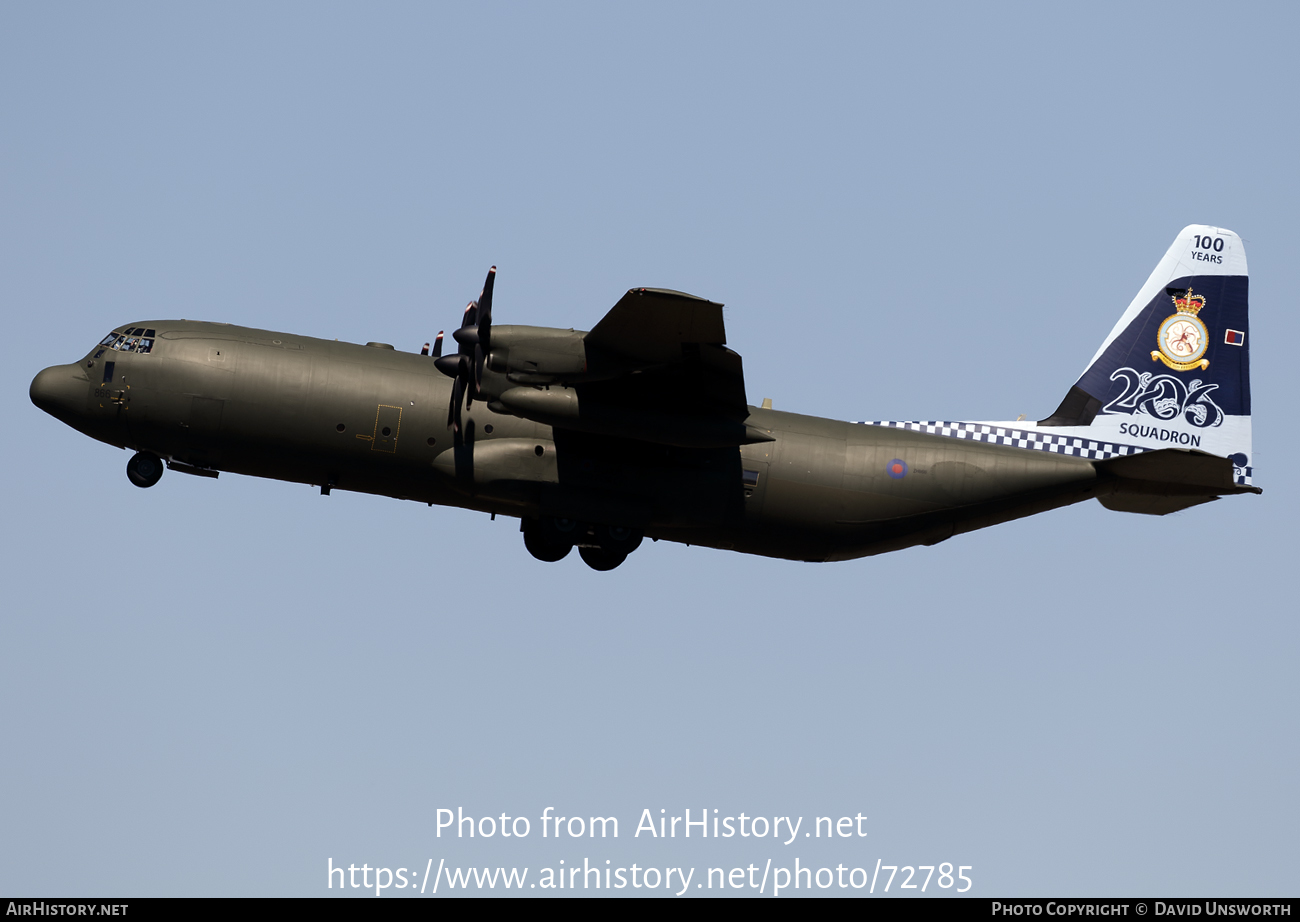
641,427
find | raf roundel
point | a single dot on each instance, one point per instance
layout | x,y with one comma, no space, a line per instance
896,469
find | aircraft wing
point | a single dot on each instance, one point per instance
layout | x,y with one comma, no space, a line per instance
652,324
671,348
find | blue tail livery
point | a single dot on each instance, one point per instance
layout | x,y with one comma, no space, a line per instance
1174,373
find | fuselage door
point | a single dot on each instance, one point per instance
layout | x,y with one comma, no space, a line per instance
107,395
388,424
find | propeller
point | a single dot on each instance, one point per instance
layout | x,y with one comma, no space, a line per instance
474,343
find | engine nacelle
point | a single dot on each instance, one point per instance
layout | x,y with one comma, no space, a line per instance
494,460
538,355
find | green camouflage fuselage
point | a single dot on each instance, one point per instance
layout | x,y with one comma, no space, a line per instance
370,419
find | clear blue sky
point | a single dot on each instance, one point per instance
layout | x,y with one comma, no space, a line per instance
911,212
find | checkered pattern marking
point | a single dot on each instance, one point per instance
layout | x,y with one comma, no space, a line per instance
1023,438
1017,438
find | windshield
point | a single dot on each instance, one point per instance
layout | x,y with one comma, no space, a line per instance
135,340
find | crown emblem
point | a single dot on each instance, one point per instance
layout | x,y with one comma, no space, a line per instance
1186,302
1183,338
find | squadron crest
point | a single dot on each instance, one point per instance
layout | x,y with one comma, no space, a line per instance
1183,337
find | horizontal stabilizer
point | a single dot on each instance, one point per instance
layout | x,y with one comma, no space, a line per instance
1150,504
1168,480
1178,466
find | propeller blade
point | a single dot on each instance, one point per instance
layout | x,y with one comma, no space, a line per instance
485,299
437,345
459,427
453,413
485,310
478,368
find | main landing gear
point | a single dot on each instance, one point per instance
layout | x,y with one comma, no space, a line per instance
602,547
144,469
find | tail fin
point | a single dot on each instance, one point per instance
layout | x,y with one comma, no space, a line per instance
1175,370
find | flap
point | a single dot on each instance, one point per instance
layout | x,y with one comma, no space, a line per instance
704,380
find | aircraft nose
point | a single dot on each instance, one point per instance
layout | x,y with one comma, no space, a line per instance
60,390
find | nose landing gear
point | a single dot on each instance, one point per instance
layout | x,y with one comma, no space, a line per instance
602,547
144,469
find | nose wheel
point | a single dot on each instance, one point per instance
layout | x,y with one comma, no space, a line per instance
144,469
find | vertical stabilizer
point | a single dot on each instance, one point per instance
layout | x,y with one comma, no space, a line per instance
1175,370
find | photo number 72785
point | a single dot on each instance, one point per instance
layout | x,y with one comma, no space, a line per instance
944,881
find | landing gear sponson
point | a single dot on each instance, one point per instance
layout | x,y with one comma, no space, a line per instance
602,547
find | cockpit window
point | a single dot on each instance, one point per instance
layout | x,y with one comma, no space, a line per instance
135,340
